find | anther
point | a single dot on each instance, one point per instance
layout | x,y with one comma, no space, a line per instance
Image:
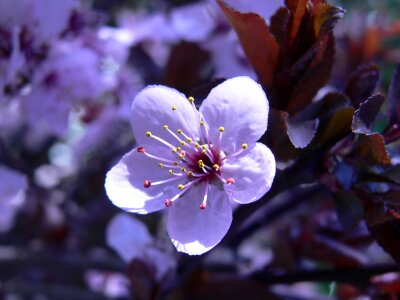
183,143
201,164
179,131
147,184
244,146
189,140
191,99
216,167
141,150
202,123
171,172
176,163
202,206
174,107
183,169
181,155
165,127
179,148
181,186
174,150
148,134
160,165
230,181
168,203
204,151
221,129
190,173
197,145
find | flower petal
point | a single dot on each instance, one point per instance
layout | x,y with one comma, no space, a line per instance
127,236
241,107
194,230
152,109
124,183
253,172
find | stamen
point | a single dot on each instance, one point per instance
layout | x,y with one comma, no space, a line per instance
141,150
230,181
162,141
244,146
165,181
201,164
191,99
174,107
216,167
160,165
171,172
181,186
168,203
204,203
147,183
158,157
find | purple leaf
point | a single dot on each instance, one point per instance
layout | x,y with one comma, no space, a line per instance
301,133
393,102
364,116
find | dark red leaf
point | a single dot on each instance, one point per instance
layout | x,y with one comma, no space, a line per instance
372,149
393,103
258,43
365,115
339,125
362,83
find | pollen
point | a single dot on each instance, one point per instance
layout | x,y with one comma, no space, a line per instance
179,131
148,134
203,151
170,172
204,146
197,145
189,140
216,167
176,163
179,148
191,99
183,169
244,146
181,155
183,143
201,164
165,127
174,107
174,150
190,173
181,186
160,165
221,129
202,123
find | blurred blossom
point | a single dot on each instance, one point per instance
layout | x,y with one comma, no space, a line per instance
12,196
131,240
111,284
195,162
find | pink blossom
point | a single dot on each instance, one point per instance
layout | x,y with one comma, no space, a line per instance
194,162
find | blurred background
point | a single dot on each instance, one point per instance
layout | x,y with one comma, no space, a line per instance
69,71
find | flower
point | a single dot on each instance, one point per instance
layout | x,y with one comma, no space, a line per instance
194,162
131,240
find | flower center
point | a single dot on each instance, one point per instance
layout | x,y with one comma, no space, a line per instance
197,158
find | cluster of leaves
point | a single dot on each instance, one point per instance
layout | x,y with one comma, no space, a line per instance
343,141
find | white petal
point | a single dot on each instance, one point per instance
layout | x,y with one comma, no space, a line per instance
194,230
241,107
124,183
152,109
127,236
253,172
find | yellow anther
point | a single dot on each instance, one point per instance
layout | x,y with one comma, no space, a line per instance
170,172
202,123
189,140
174,150
216,167
183,143
190,173
197,145
181,186
174,107
203,151
221,129
165,127
201,164
160,165
183,169
176,163
244,146
179,131
179,148
148,133
181,155
204,146
191,99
